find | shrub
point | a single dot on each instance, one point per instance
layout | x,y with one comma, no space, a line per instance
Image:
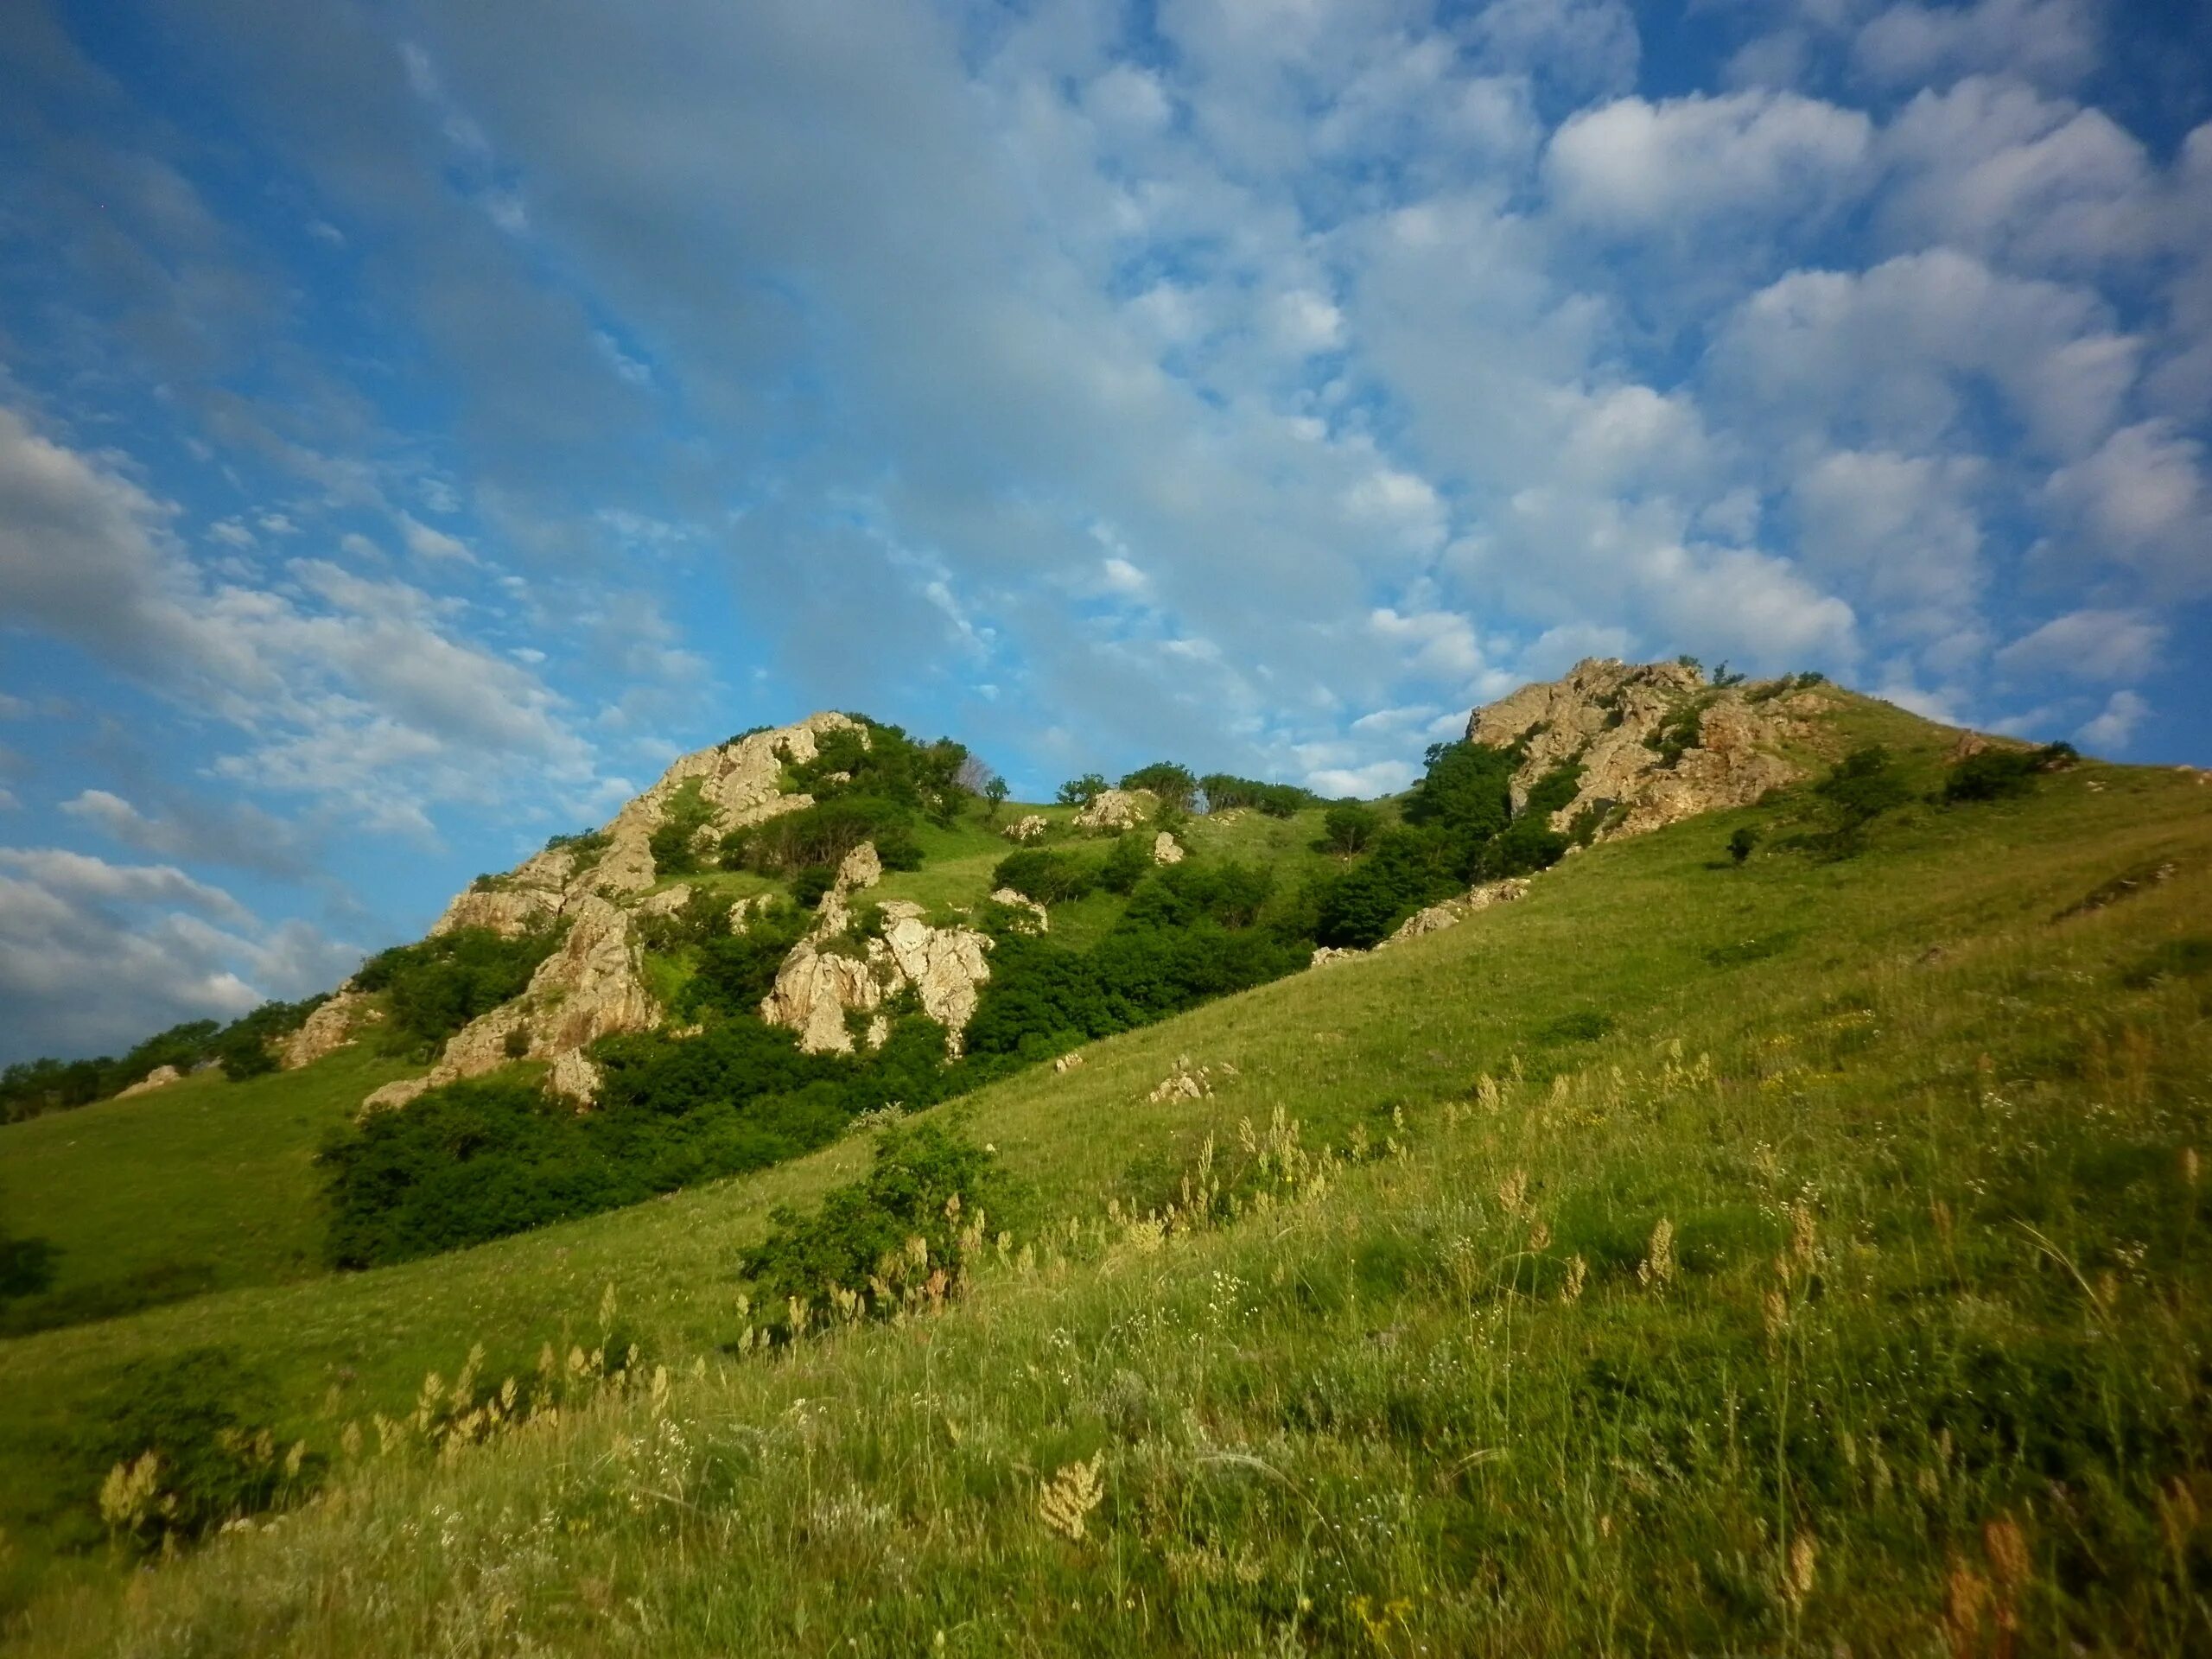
1741,844
1348,828
1408,867
809,885
1050,877
673,842
26,1267
439,985
1127,862
1863,786
205,1418
1175,785
928,1183
1466,792
823,834
1224,791
1081,792
934,778
1995,774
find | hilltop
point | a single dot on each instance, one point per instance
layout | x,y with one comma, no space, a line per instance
1710,1165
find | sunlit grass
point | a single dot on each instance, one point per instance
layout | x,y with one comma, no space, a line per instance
1844,1288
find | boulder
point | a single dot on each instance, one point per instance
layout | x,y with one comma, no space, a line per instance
1116,809
1067,1062
814,991
1165,849
160,1077
947,968
1323,955
329,1028
1026,829
1039,919
819,983
1452,911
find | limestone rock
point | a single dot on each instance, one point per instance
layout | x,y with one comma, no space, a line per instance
1116,809
509,909
1026,829
1453,912
1067,1062
160,1077
329,1029
1040,919
1185,1082
1165,849
815,989
818,984
587,988
861,869
1323,955
1603,711
745,912
947,968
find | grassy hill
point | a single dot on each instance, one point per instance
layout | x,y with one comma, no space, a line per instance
1797,1256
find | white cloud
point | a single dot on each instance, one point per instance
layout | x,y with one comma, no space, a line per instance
1376,777
343,687
1902,529
2142,500
425,542
2051,41
2112,729
2088,645
1637,165
81,876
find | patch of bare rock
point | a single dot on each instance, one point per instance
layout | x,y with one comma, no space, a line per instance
1620,721
1112,810
830,975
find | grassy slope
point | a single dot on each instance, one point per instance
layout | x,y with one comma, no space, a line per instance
205,1185
1331,1421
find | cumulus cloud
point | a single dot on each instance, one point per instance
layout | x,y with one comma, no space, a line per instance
2111,730
1636,164
2088,645
345,687
2141,498
94,955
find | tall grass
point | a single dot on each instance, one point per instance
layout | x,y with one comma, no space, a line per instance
1843,1288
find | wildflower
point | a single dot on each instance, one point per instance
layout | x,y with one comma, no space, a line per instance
1069,1497
1657,1270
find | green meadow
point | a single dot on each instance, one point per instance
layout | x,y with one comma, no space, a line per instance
1807,1255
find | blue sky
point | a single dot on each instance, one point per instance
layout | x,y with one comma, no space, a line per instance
417,424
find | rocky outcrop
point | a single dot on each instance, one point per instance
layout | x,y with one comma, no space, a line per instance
1039,920
745,912
826,979
160,1077
1436,917
1026,829
1326,953
1655,743
1116,809
1165,849
509,907
329,1028
589,988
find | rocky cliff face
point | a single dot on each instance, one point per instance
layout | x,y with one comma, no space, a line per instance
830,975
1655,742
591,987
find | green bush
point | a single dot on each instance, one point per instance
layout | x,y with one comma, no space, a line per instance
1174,785
823,834
1128,860
1466,792
205,1418
1224,791
440,984
1996,774
1050,877
1349,827
1742,842
1081,792
674,841
927,1183
1862,787
886,765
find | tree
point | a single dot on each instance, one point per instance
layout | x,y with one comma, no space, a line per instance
1348,828
995,792
1175,785
1082,792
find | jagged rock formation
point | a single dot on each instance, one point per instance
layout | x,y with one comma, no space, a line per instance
329,1028
1026,829
1326,953
1040,919
1617,719
1116,809
160,1077
588,988
745,912
1436,917
825,979
1165,849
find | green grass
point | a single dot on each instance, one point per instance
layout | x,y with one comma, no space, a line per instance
206,1184
1365,1418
